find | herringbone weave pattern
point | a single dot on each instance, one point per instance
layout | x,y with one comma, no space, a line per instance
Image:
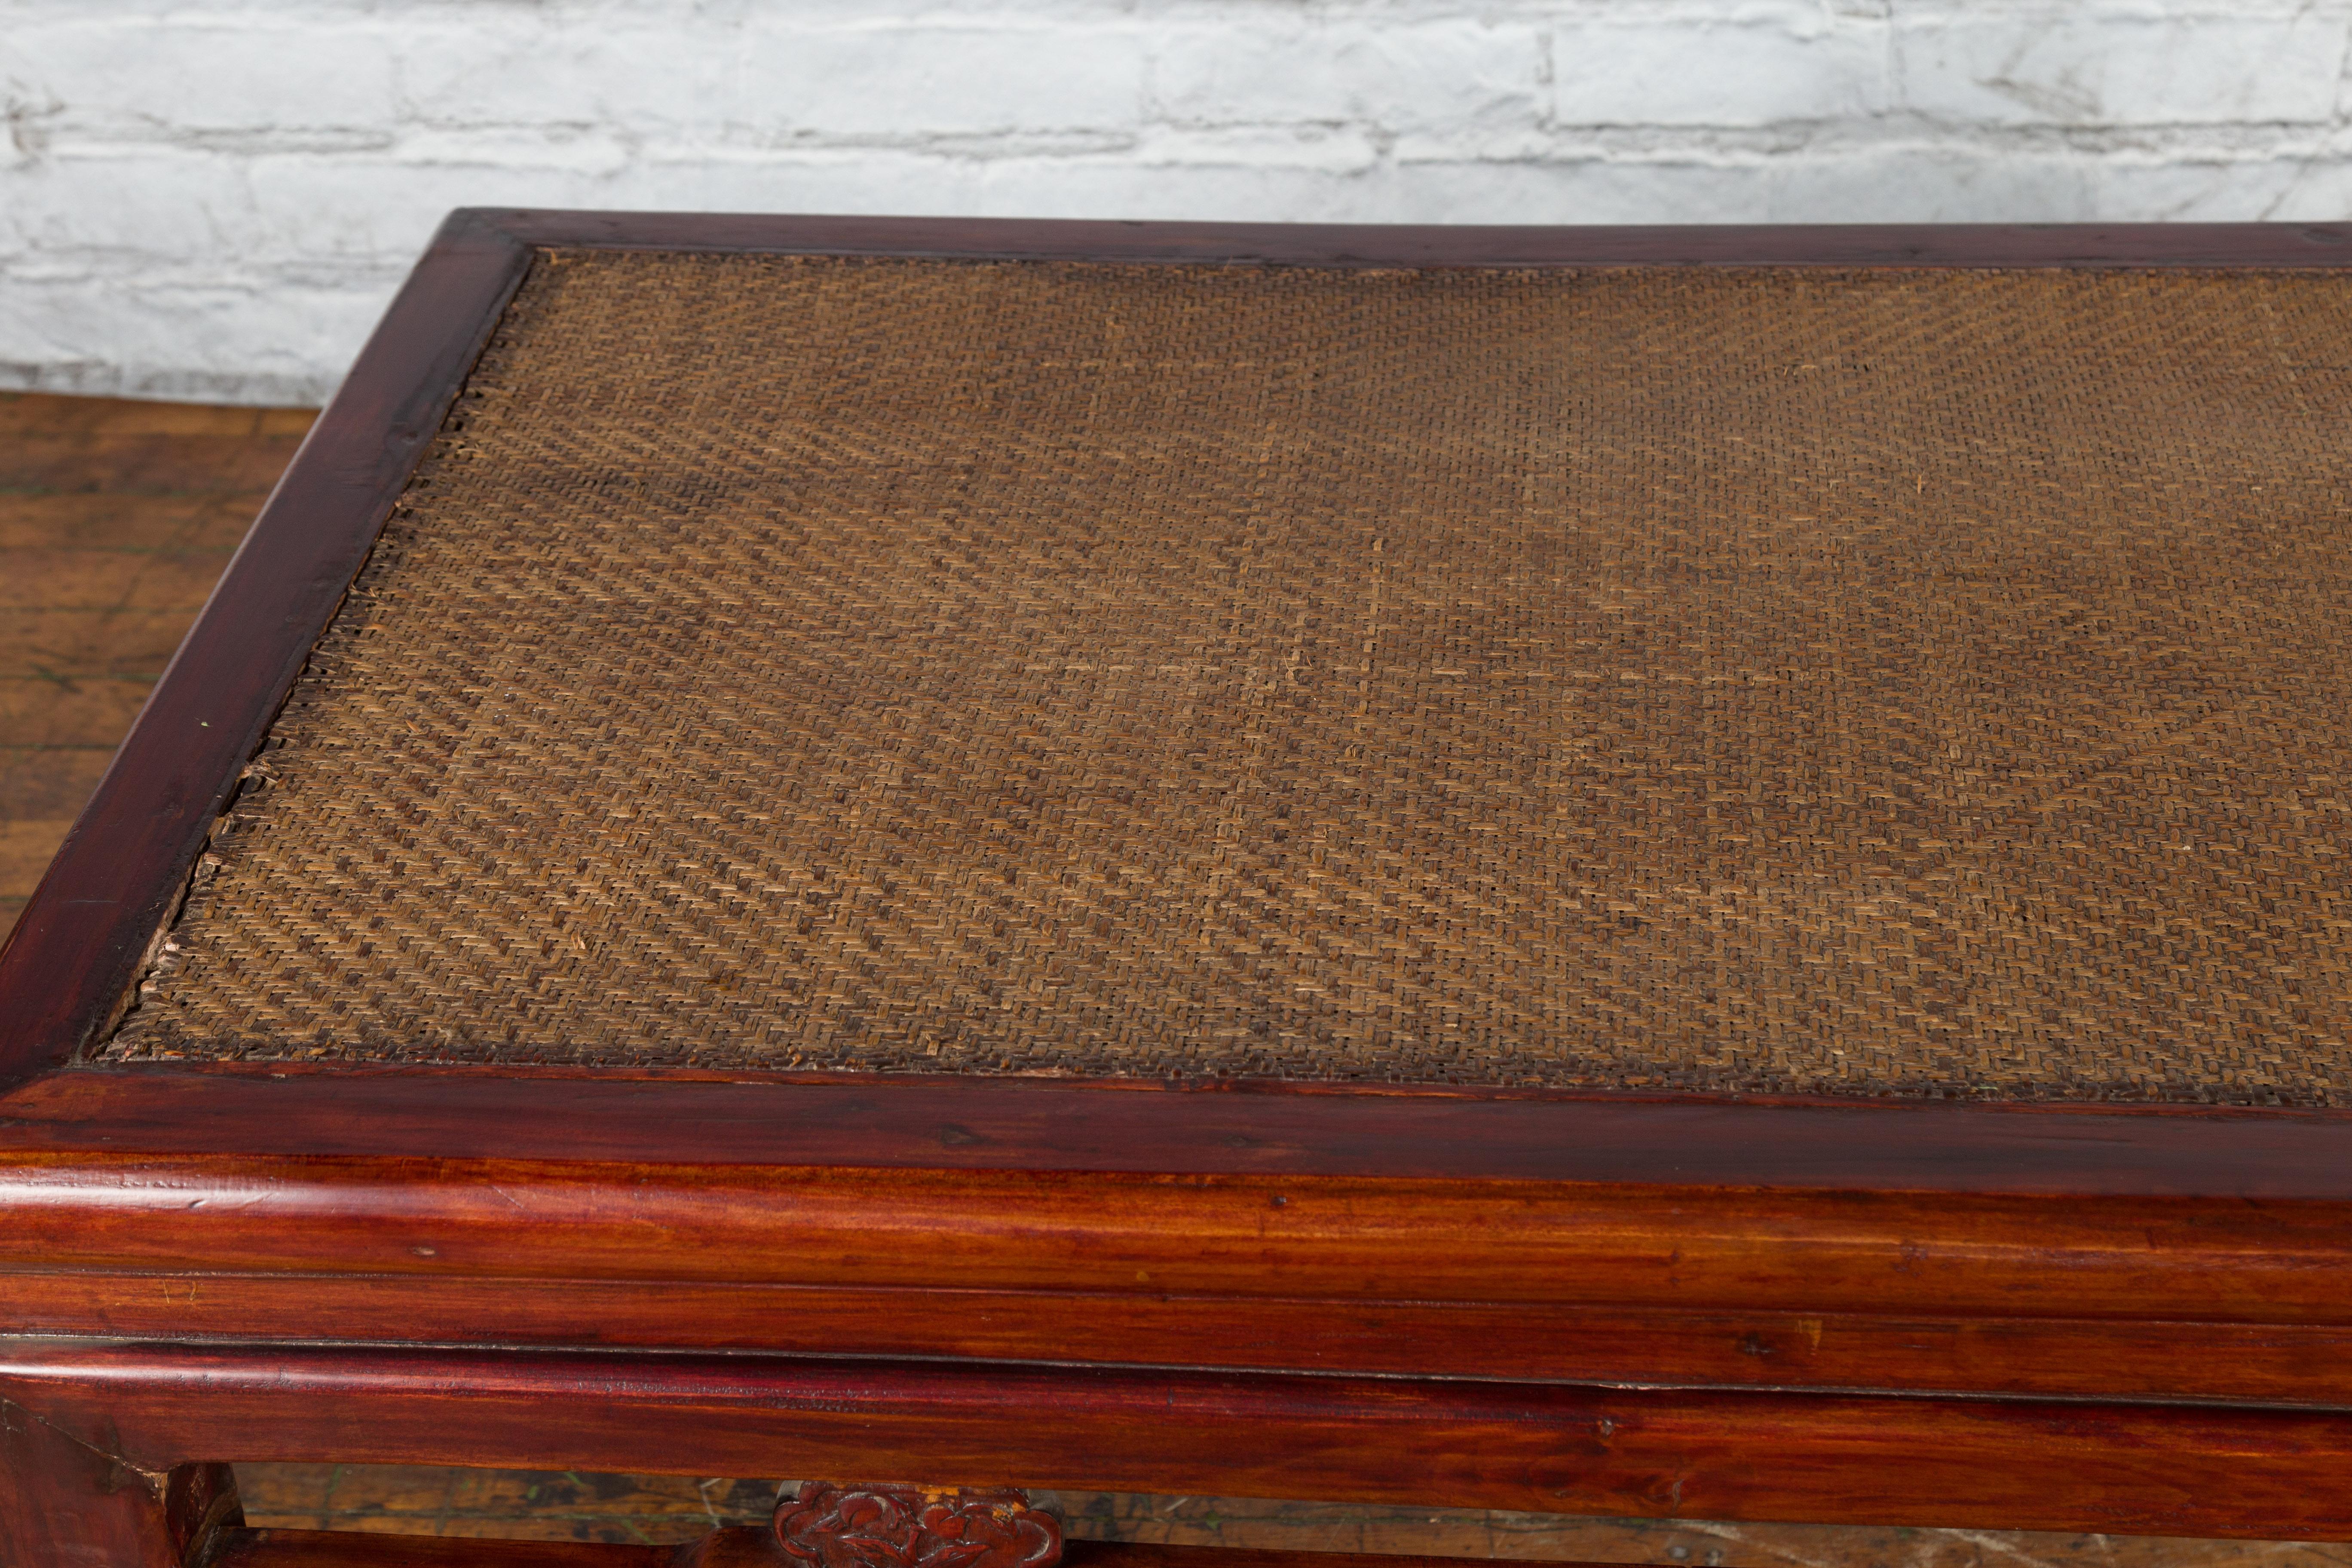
1905,682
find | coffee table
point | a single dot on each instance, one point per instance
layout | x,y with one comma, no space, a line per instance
1674,872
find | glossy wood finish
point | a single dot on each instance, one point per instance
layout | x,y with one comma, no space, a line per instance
1038,1124
1331,1240
1457,244
74,1497
2273,1363
2115,1318
1698,1454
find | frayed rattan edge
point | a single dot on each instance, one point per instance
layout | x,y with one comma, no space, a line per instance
2179,1098
153,959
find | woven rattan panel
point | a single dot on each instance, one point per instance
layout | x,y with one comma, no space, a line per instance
1901,682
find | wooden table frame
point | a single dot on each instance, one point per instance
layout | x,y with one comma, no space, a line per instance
2119,1318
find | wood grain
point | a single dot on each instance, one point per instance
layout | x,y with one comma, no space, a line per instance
1333,1239
45,416
72,1498
534,1505
1041,1124
2273,1363
1659,1453
116,517
203,516
119,643
548,1505
42,712
120,462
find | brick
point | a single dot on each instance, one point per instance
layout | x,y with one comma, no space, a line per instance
1932,182
1585,188
491,66
269,341
2116,70
145,78
2280,190
1451,76
217,202
897,82
1716,73
82,207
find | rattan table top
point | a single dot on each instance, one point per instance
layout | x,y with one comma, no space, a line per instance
1899,682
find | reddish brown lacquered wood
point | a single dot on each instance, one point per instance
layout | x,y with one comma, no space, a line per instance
1034,1124
73,1497
2209,1470
1455,244
1322,1237
76,947
2287,1365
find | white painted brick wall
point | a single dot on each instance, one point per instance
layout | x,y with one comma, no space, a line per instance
215,198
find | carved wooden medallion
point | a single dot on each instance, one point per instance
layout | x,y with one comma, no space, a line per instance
883,1526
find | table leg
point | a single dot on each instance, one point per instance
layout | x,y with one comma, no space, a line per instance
70,1503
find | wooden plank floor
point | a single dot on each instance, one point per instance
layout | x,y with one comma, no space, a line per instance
115,518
